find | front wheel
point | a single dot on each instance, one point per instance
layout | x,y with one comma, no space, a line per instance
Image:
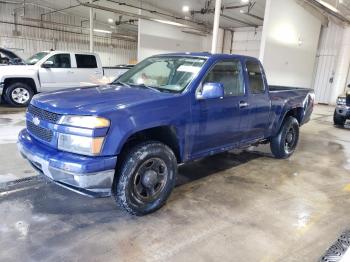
338,119
285,142
146,178
19,94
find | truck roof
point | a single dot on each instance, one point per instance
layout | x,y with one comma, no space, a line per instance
207,55
73,52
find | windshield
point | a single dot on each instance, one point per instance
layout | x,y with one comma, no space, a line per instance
167,74
35,58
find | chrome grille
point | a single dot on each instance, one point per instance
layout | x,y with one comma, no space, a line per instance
43,114
39,132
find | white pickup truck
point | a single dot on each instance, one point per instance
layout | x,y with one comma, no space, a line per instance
50,71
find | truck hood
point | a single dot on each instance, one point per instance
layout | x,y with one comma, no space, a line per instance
95,100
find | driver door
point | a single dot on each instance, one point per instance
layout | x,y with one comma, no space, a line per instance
216,122
59,75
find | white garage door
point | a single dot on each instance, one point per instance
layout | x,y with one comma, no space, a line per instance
326,62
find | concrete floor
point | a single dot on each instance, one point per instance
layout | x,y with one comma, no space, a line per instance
13,167
229,207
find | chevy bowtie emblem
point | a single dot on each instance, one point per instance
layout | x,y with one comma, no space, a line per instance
36,121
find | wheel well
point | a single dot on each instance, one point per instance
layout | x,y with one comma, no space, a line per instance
29,81
297,113
165,134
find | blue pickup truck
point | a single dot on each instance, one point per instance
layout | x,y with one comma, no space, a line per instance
127,138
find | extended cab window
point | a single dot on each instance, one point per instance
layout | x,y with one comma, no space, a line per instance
228,73
256,81
86,61
60,61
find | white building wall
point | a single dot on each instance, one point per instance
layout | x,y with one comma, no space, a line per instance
158,38
246,41
32,39
289,43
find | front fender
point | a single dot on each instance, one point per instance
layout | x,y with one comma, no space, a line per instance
172,113
18,72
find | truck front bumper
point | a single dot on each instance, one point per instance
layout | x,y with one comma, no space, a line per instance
343,110
92,176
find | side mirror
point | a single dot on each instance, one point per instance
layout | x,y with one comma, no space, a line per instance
211,91
349,85
47,64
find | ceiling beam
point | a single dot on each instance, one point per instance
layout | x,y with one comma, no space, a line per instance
150,18
238,21
331,12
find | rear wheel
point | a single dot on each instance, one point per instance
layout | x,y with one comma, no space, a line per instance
146,178
285,142
18,94
338,119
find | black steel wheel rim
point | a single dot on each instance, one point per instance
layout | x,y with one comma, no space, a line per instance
290,139
150,180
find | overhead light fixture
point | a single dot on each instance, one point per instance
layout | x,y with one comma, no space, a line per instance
110,20
329,6
185,8
102,31
168,22
244,1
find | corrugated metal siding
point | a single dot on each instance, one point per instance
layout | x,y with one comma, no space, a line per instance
326,62
227,39
31,40
246,41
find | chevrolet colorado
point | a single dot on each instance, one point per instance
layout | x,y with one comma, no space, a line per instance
126,138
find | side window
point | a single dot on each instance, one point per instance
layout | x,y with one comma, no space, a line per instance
256,81
60,61
228,73
86,61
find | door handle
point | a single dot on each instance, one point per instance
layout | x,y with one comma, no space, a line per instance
70,72
243,104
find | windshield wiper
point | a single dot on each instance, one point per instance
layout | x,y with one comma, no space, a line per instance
140,85
122,83
149,87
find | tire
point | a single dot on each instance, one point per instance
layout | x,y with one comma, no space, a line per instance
145,178
338,120
285,142
19,94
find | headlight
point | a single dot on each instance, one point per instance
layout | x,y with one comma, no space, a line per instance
341,101
85,121
80,144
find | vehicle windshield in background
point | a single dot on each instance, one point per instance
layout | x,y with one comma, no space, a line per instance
35,58
171,74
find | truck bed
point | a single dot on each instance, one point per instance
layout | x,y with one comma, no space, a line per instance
286,88
292,97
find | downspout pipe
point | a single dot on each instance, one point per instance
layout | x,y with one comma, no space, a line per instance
91,31
217,12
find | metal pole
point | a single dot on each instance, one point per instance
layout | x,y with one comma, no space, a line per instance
216,26
91,29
